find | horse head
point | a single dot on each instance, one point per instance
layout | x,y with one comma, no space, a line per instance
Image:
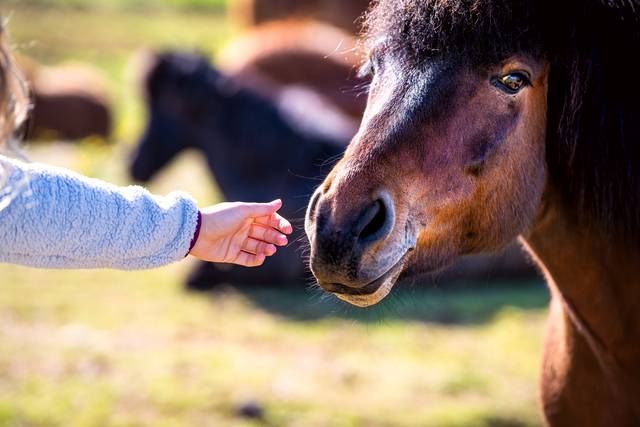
450,156
174,102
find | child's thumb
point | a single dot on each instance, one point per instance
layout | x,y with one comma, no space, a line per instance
262,209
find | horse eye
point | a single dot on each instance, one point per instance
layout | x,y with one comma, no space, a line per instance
512,83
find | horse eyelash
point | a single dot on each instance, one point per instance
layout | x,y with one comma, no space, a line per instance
366,69
527,80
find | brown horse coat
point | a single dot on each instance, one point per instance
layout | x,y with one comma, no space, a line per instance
302,53
341,13
70,102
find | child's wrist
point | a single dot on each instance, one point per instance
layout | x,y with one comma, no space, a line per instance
196,234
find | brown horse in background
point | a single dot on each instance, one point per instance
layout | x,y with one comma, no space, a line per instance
487,120
301,53
70,102
341,13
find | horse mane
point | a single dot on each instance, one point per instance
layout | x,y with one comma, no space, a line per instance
593,115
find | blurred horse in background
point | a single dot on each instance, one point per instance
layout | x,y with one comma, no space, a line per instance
341,13
299,53
70,102
254,148
298,89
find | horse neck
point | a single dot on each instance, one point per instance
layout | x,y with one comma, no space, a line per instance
275,150
597,281
260,163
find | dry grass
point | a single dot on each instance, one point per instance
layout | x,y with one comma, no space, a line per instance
110,348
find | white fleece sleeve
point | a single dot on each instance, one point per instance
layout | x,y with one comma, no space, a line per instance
60,219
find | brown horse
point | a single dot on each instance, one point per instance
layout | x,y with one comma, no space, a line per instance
70,102
487,120
342,13
302,53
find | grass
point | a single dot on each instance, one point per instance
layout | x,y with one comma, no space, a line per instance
105,348
125,5
109,348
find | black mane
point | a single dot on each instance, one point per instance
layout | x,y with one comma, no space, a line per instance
593,131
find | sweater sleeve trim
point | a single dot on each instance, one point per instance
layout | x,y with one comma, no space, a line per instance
196,234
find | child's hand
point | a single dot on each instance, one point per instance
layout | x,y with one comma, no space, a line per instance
241,233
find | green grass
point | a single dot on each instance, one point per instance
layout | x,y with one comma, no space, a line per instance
104,348
109,348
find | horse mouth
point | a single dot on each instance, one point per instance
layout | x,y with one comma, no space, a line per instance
375,291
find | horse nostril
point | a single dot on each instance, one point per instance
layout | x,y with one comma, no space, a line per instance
341,232
376,221
373,219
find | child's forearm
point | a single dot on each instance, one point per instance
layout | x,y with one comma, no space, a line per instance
64,220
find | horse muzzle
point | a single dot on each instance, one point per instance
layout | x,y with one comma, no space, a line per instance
356,252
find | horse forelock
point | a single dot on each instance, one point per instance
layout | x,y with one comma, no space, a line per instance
593,117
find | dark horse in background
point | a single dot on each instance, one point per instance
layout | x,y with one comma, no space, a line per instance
285,106
256,150
488,120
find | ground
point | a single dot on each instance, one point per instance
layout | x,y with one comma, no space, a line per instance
105,348
132,349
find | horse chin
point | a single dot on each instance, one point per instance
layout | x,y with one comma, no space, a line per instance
382,286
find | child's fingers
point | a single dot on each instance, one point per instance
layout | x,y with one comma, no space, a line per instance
250,260
254,210
267,234
276,221
254,246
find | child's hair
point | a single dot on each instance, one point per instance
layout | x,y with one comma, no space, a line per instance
14,108
14,98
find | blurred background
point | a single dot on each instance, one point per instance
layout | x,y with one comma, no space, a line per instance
191,344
